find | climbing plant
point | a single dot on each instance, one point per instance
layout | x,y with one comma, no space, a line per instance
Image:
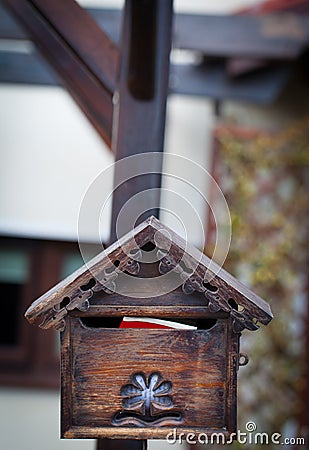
265,179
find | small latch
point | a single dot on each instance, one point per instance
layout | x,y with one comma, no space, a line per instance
243,359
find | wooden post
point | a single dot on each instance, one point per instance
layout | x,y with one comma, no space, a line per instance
140,110
108,444
140,107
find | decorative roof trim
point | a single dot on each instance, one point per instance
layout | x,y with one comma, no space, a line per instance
222,291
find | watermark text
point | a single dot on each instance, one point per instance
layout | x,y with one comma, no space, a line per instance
251,436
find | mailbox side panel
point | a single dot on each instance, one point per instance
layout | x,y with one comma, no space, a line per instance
66,379
114,373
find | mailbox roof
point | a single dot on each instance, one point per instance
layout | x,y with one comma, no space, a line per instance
196,271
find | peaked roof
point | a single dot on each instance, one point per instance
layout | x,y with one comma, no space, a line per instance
197,273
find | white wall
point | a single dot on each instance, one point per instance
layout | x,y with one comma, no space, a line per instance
30,420
49,155
194,6
190,123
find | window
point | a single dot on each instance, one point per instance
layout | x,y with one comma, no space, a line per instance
14,271
29,356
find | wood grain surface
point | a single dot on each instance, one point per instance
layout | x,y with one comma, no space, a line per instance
97,362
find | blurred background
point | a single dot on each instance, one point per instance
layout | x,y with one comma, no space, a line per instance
240,111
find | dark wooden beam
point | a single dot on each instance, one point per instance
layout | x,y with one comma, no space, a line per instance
141,107
27,68
281,36
269,36
79,51
207,80
109,20
82,34
212,80
9,27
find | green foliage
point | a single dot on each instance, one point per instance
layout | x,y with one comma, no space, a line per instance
265,180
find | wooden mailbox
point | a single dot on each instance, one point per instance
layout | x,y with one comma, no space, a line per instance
144,383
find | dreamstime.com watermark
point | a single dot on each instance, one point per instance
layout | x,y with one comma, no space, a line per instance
251,436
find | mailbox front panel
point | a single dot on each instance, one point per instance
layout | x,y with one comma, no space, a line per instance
137,383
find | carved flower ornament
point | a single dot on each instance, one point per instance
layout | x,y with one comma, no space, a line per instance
146,401
146,394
